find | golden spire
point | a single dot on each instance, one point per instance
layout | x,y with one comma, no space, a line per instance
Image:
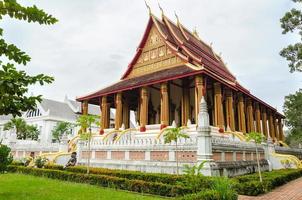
195,33
178,22
148,7
161,9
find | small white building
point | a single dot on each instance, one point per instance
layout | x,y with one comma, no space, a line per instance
46,116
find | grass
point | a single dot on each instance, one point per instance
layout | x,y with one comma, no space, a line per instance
26,187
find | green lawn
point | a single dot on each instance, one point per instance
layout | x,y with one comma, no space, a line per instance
26,187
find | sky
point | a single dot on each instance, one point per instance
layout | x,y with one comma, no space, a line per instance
93,42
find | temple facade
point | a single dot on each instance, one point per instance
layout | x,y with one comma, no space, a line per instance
170,72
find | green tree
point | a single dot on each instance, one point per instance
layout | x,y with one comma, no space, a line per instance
292,109
172,135
17,124
23,130
14,83
86,122
292,22
257,138
60,129
32,132
5,157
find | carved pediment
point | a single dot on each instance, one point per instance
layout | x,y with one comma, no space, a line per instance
155,56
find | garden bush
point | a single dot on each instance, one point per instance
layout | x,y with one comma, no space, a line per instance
149,177
250,185
225,188
203,195
40,161
106,181
5,157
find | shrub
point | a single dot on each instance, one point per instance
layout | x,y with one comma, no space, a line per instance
251,188
107,181
249,184
194,179
5,157
149,177
55,167
203,195
17,163
40,162
224,188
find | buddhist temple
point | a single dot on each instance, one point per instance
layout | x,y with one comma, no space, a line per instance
164,83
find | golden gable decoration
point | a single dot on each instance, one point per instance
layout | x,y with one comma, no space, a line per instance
155,56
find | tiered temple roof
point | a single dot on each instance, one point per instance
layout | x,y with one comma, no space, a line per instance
193,56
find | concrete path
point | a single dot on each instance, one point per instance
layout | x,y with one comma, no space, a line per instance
289,191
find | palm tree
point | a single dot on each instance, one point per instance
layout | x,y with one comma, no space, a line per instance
86,122
60,129
17,124
257,138
32,132
173,134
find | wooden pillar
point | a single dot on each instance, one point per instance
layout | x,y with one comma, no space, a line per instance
219,121
198,94
230,110
271,125
84,107
164,105
280,125
258,118
276,128
143,109
185,103
105,114
126,115
241,114
264,123
250,116
119,111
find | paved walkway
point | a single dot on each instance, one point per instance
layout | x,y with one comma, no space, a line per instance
289,191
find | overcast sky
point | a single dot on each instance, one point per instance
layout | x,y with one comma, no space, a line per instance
93,42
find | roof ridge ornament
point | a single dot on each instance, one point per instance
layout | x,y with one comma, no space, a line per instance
148,7
161,9
177,18
195,33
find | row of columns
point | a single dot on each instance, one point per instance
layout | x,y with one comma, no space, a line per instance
250,117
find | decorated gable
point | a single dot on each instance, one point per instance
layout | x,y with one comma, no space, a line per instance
155,56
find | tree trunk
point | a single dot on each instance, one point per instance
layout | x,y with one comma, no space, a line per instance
259,169
176,157
88,157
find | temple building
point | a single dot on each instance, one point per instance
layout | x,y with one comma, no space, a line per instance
164,83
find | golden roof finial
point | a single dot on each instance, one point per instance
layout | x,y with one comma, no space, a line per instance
195,33
178,22
148,7
161,9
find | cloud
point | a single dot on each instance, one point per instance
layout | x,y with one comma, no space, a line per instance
93,42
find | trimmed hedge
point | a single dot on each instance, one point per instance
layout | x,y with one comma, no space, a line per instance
208,195
250,185
204,195
149,177
106,181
